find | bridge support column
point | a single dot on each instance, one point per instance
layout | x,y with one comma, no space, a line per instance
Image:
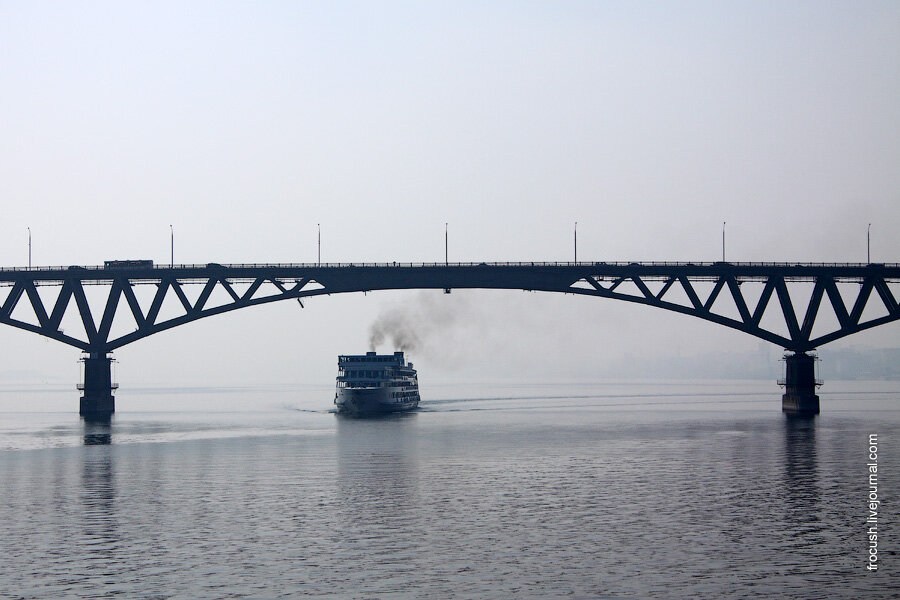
97,402
799,383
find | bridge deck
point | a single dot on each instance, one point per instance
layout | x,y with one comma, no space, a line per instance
654,271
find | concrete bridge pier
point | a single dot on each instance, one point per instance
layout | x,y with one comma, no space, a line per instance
800,384
97,402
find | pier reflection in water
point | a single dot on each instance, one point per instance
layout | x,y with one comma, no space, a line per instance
801,473
100,540
97,432
802,493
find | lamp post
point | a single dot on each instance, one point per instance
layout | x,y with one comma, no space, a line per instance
723,241
319,259
29,247
172,246
869,244
446,253
576,241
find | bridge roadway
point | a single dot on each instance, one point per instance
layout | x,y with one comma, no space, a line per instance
697,289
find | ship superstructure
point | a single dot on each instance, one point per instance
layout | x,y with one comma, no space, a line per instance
372,384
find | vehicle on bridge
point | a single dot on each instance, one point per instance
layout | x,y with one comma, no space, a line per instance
373,384
128,264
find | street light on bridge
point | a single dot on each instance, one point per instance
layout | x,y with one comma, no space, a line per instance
869,244
576,241
172,246
723,241
29,247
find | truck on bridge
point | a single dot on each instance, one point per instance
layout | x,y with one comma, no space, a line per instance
128,264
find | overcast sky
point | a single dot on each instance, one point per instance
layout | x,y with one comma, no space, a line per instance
245,124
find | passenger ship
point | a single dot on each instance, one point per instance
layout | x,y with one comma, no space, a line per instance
373,384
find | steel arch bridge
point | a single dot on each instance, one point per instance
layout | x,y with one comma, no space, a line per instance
859,296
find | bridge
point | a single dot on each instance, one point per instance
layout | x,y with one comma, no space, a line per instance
857,296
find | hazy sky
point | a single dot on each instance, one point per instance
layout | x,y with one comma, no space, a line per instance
246,124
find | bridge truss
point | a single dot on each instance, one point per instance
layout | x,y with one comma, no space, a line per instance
858,296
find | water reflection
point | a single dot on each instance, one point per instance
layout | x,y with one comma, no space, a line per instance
378,486
803,492
98,500
800,449
376,460
97,432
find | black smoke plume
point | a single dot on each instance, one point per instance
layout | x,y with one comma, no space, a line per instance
416,324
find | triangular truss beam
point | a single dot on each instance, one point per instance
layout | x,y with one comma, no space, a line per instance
799,336
98,327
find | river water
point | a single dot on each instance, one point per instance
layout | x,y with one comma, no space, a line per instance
590,490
